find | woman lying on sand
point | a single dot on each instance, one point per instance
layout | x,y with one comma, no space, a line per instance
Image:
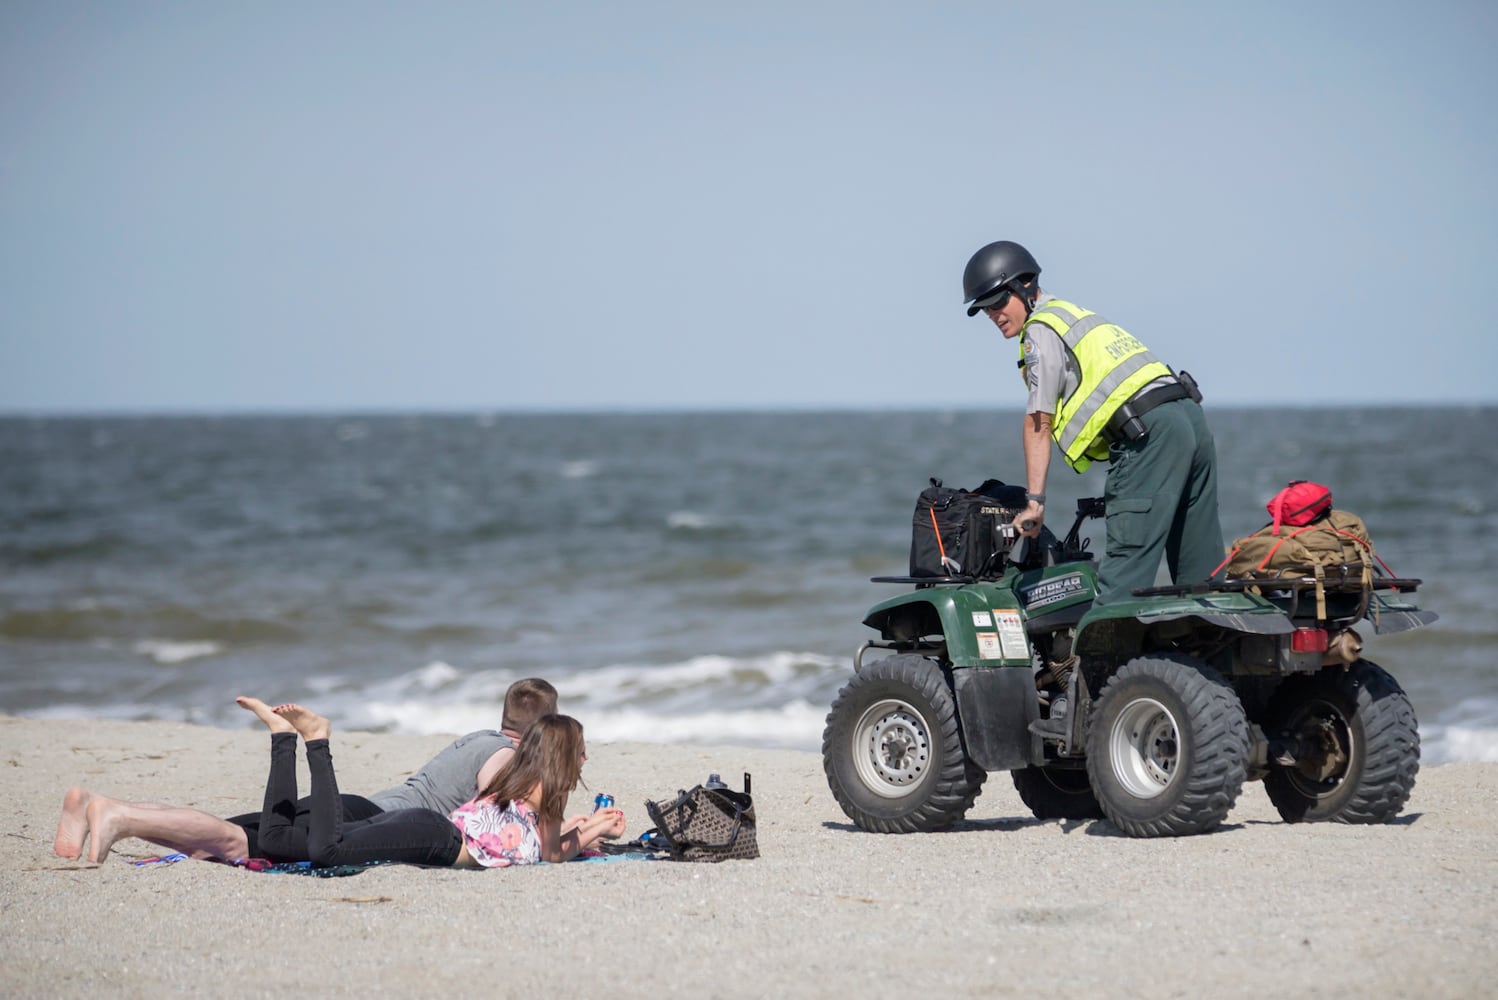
516,819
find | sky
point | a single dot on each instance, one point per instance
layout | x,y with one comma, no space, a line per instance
380,206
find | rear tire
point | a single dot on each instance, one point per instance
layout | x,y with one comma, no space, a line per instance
1167,747
1057,792
892,749
1357,746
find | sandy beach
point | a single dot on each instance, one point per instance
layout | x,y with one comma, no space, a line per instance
1004,905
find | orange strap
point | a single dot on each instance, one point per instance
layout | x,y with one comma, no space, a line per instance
1312,527
939,546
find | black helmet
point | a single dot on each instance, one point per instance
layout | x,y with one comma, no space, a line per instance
993,267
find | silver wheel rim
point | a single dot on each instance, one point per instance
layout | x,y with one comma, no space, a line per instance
1144,747
891,748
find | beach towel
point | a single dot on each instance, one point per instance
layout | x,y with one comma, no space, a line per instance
303,867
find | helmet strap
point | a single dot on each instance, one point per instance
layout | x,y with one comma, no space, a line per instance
1028,292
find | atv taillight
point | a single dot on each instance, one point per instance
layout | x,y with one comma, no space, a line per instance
1308,640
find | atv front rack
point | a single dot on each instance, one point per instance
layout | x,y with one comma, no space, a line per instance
929,581
923,647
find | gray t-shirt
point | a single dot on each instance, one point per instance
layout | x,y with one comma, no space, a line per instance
449,779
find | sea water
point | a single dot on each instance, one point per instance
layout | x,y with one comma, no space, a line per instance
681,577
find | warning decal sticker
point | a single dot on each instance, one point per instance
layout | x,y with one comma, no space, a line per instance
1012,635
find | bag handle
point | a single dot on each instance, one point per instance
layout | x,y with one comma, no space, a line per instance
658,815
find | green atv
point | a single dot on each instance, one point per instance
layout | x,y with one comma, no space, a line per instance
1150,712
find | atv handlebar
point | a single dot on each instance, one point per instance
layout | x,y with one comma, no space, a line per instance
1087,507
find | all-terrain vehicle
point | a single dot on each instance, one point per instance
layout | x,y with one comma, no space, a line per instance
1172,699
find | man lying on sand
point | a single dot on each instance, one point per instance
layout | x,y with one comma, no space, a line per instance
515,819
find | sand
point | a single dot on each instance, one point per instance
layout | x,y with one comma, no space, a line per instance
1004,905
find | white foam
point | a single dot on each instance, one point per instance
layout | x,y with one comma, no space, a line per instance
169,652
580,469
795,725
1459,744
633,678
424,717
778,699
690,520
437,675
771,700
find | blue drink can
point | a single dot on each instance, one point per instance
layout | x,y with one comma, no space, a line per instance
602,801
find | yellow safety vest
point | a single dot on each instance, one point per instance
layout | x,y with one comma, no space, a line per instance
1114,366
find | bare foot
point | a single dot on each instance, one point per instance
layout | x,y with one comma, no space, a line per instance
73,827
103,826
307,722
265,714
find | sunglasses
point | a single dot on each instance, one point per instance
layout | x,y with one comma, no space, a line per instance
998,301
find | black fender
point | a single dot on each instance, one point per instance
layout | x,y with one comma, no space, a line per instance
995,706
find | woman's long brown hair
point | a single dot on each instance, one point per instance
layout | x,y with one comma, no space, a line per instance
551,752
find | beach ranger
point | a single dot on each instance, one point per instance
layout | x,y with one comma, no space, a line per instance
1102,396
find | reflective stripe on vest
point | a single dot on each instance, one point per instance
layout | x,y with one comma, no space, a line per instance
1114,366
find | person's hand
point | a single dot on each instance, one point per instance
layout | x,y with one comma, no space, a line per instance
1034,514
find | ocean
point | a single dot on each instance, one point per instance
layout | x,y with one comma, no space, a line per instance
681,577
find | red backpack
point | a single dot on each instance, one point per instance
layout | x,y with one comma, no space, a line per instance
1299,504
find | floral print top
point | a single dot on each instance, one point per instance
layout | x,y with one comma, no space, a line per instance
496,836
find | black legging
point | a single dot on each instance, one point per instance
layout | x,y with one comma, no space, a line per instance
286,840
331,835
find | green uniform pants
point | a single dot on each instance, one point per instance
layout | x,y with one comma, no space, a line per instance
1161,497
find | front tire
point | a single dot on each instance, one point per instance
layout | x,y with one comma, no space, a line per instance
1057,792
1356,746
892,749
1167,747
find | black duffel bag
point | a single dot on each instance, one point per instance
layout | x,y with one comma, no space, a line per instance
955,533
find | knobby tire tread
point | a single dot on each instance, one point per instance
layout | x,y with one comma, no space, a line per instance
1220,747
1390,746
958,782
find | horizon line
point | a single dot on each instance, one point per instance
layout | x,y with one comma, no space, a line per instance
620,409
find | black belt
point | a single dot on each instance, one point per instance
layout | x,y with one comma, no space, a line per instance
1118,425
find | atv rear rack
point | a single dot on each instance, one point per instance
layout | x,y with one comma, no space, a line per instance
1336,580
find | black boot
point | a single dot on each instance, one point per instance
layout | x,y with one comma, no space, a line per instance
1057,724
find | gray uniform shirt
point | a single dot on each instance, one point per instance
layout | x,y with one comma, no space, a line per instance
1051,373
449,779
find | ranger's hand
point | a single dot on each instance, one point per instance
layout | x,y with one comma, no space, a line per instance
1030,520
